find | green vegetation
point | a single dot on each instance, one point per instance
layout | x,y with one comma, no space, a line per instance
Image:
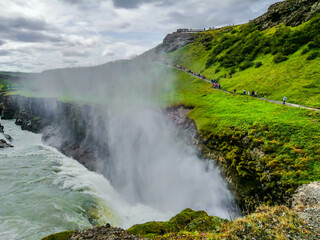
187,220
269,149
266,223
277,62
59,236
7,80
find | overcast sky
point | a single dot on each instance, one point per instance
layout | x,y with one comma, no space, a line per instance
36,35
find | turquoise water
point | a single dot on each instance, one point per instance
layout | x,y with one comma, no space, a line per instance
43,192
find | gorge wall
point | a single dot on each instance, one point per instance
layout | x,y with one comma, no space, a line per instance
71,128
68,127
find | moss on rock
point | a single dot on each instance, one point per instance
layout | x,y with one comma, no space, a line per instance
186,220
59,236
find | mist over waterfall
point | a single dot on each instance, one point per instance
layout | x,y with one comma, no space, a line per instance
148,162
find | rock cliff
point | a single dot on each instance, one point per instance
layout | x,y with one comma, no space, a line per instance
176,40
290,12
70,128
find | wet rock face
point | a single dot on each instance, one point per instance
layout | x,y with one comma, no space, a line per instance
31,114
174,41
103,233
4,144
73,129
290,12
306,202
186,126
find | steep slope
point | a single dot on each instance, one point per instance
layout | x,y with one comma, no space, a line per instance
276,62
265,150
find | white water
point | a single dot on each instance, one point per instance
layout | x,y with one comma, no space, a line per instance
150,164
43,192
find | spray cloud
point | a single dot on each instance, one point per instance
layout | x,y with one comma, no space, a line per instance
148,162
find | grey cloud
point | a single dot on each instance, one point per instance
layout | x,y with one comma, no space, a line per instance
70,61
4,53
25,30
23,23
2,42
238,11
30,36
75,53
84,4
133,3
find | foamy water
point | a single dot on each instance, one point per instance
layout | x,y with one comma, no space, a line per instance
43,192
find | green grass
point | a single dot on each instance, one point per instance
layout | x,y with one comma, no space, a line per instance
186,220
289,138
229,49
59,236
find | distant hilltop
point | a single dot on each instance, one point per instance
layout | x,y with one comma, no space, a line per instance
289,12
192,30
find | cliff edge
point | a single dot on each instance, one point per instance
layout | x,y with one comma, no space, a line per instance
290,12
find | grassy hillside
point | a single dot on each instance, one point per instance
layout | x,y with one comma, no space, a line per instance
277,62
287,136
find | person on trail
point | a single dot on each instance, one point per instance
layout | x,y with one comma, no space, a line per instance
255,94
252,93
214,85
219,86
234,91
284,100
248,93
244,92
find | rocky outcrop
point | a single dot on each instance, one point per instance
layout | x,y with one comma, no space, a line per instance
289,12
4,144
31,114
306,202
70,128
176,40
104,233
186,126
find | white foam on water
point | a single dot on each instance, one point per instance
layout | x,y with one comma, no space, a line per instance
43,191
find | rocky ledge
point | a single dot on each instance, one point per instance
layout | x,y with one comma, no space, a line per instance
176,40
306,202
103,233
106,232
290,12
3,142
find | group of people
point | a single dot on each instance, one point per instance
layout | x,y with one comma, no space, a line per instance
193,73
215,84
245,92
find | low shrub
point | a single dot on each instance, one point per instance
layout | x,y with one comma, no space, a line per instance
279,57
313,55
258,64
245,65
305,50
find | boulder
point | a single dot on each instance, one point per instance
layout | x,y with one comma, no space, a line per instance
4,144
306,202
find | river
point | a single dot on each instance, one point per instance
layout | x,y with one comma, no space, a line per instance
43,192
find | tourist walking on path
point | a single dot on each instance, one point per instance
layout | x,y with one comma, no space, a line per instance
234,91
284,100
